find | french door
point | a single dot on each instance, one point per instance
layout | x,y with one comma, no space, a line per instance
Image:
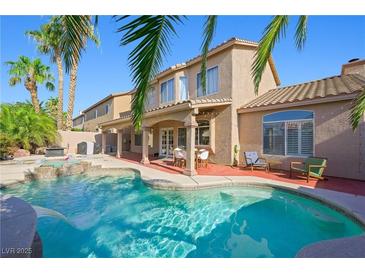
166,142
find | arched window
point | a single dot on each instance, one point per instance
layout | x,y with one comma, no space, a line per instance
288,133
202,133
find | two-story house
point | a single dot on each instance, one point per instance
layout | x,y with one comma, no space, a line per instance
280,123
179,114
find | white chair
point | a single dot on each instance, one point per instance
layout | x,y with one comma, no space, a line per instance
253,160
179,157
203,158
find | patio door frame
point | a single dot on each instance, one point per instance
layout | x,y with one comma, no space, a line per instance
168,152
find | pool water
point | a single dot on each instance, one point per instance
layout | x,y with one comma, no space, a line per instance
121,217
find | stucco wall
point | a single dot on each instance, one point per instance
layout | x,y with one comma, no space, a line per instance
121,104
91,125
72,138
333,138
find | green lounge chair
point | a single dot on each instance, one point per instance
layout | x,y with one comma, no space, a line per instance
311,167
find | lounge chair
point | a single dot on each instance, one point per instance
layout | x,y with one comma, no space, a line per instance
311,167
254,161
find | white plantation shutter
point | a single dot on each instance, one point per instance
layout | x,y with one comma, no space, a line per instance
307,138
292,142
289,133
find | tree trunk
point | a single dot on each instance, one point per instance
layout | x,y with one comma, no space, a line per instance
60,91
31,86
71,95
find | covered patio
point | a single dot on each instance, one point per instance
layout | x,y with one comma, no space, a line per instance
332,183
189,125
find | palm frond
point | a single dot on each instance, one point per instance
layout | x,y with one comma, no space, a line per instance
357,110
272,34
209,29
14,81
153,36
50,86
301,32
72,42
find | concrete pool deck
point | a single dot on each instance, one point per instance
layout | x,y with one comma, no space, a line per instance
350,204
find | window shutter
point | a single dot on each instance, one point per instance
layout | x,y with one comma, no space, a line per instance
307,138
292,143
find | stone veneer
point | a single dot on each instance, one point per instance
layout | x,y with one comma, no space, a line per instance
47,172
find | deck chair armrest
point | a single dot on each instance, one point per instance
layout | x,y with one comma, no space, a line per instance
296,163
262,158
310,166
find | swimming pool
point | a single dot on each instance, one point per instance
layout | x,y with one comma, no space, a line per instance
122,217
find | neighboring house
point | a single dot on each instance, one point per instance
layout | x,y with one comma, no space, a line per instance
178,114
78,121
106,109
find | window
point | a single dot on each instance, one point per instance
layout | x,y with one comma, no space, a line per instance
151,98
181,137
91,115
167,91
212,82
288,133
138,139
202,134
106,109
183,88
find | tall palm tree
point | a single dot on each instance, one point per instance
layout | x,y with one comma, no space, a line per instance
76,31
31,72
48,39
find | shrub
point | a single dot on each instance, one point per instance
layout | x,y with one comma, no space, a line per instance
20,125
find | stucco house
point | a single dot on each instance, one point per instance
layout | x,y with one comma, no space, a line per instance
281,123
105,109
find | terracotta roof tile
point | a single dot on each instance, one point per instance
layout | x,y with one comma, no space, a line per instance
331,86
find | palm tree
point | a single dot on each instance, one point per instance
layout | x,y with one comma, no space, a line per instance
48,39
76,30
31,72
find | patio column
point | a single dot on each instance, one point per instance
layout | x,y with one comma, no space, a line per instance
119,143
145,141
190,124
103,142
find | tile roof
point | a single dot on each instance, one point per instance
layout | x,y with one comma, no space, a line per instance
193,102
327,87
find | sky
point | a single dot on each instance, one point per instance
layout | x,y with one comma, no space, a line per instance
331,42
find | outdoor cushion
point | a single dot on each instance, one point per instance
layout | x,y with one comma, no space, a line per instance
251,157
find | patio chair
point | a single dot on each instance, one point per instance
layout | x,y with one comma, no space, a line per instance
203,157
311,167
179,157
254,161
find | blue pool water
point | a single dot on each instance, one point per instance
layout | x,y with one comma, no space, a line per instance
121,217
